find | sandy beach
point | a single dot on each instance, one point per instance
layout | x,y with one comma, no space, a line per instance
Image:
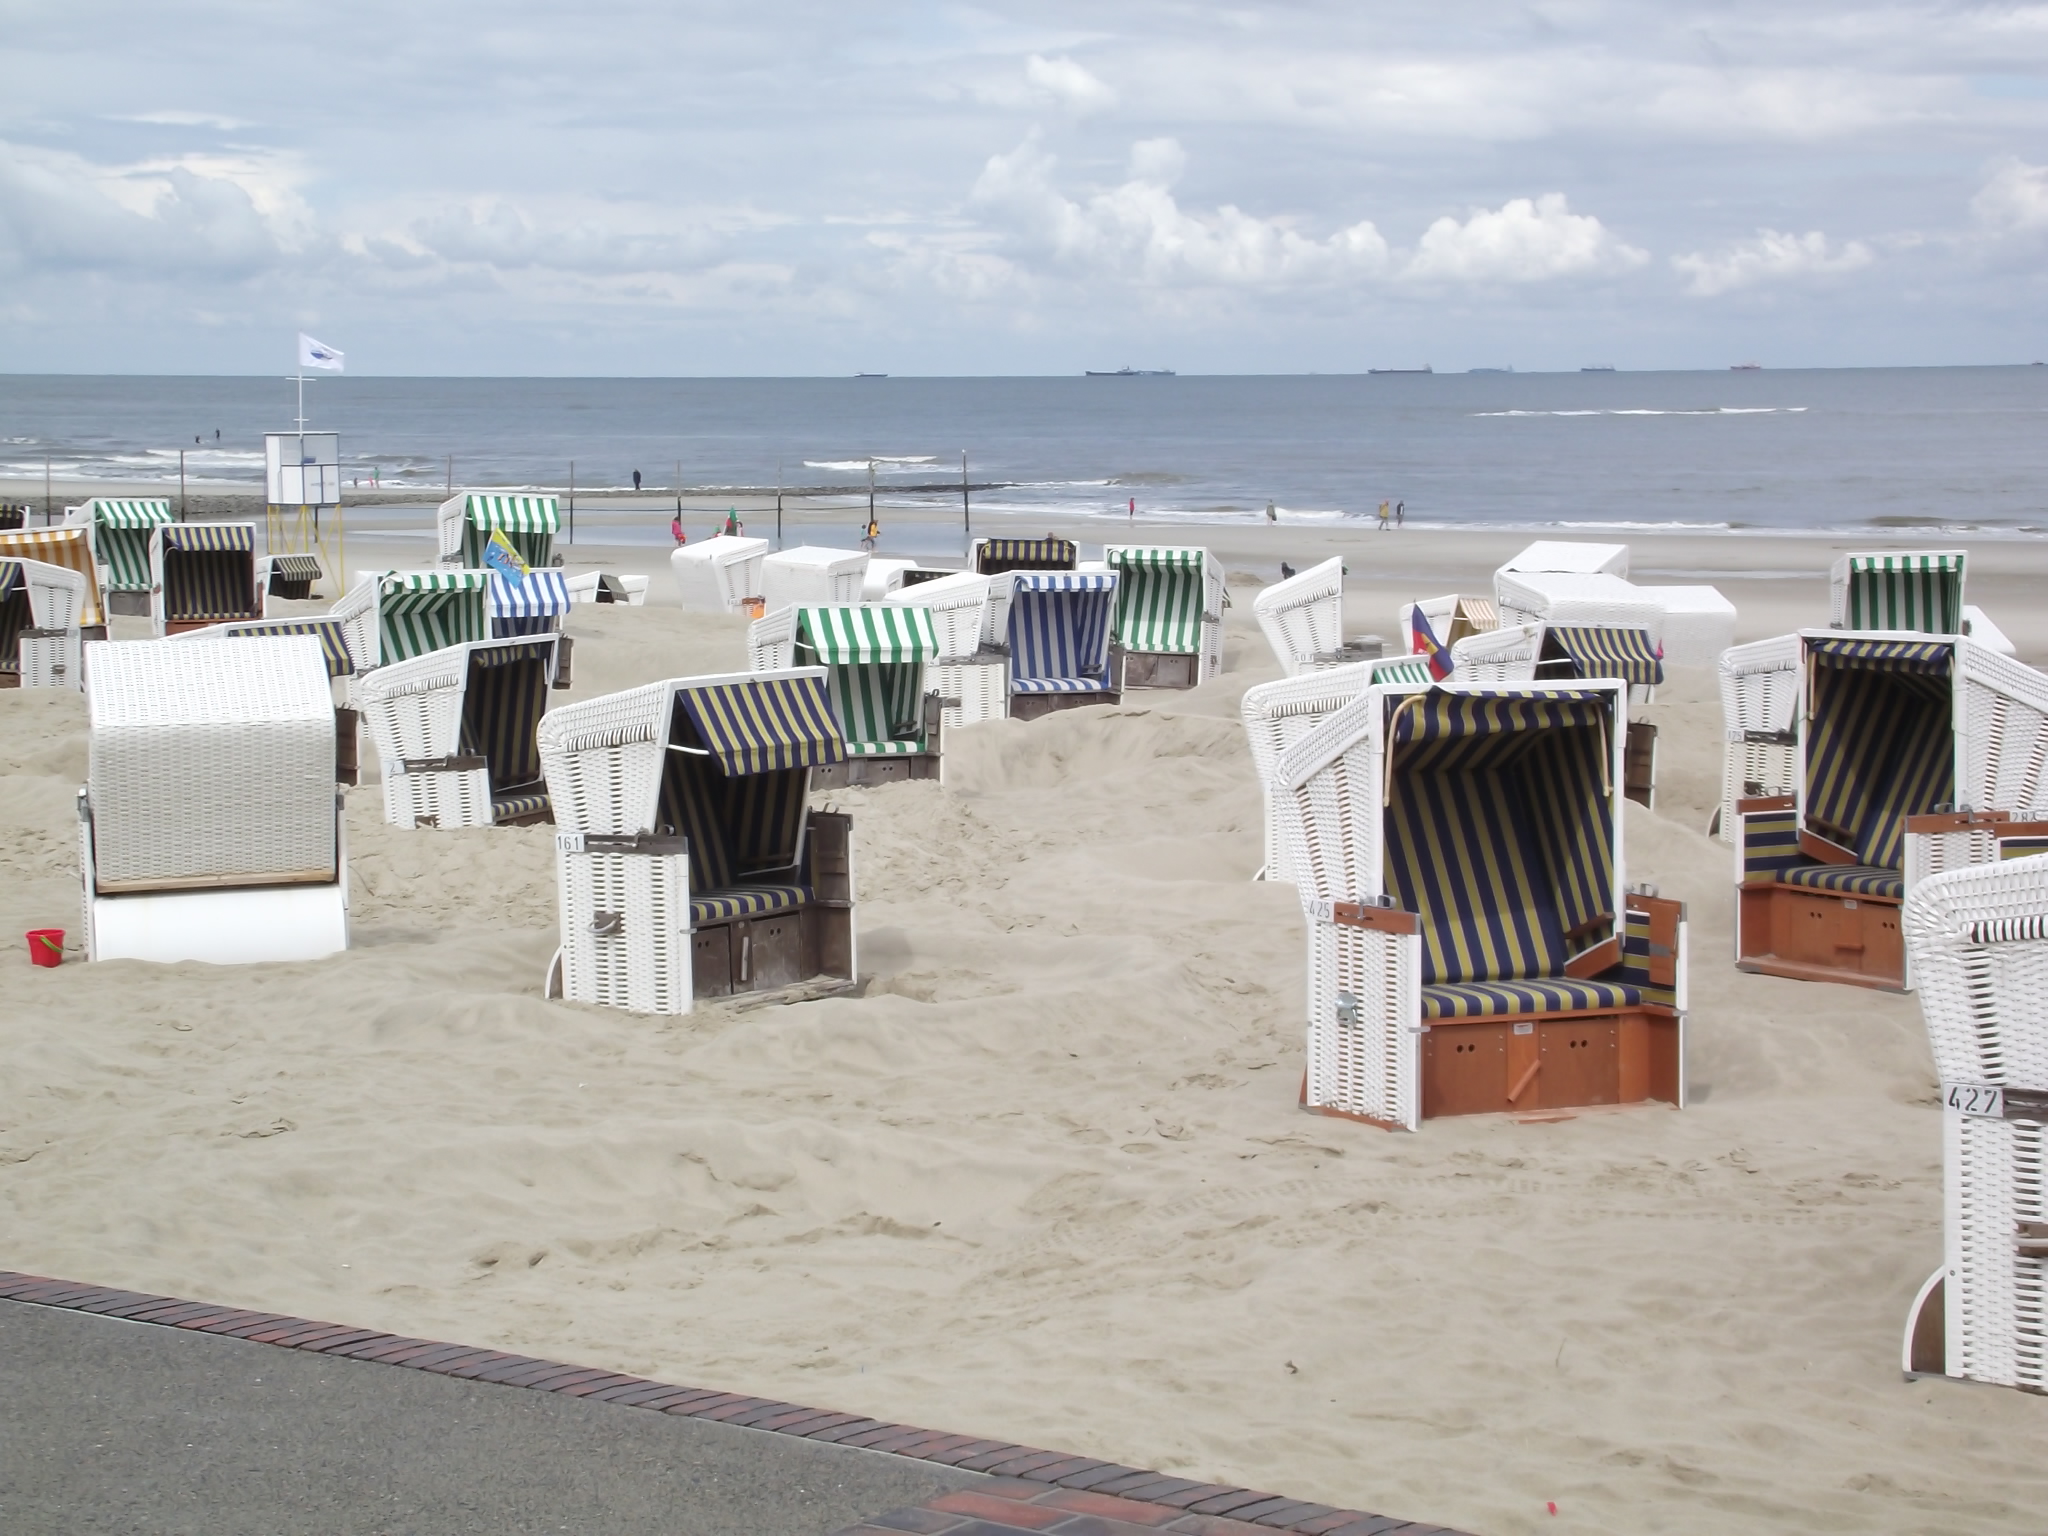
1044,1178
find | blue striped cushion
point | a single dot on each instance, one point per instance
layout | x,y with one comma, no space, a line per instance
1058,685
1850,879
506,808
1490,999
746,901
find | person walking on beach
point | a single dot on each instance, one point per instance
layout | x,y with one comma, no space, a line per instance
636,481
872,535
733,526
1132,516
1272,513
1385,517
1399,508
675,529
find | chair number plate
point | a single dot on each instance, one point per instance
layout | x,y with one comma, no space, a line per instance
1974,1099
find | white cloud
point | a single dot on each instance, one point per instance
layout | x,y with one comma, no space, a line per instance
2015,198
1771,256
1523,241
1138,232
186,120
1068,83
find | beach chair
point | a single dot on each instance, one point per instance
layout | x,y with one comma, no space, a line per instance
1059,627
1570,557
1891,728
1760,726
875,658
1532,597
1627,655
810,576
210,824
121,527
1473,944
454,731
289,576
1978,939
605,587
1169,615
994,557
40,640
970,673
1451,618
71,548
687,863
202,574
1920,591
467,520
1303,620
720,574
1278,714
1498,655
392,616
533,604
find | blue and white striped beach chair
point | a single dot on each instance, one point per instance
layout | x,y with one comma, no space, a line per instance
530,605
1059,640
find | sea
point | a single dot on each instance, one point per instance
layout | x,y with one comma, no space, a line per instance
1937,451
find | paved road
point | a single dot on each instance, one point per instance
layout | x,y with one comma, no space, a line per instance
111,1426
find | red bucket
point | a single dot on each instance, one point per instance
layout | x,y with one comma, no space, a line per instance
46,946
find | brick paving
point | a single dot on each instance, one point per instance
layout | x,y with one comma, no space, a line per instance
1027,1490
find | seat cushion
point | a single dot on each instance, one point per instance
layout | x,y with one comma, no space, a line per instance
746,901
1490,999
1849,879
517,807
1059,685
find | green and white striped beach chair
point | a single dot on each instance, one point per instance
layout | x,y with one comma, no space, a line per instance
1474,944
688,861
121,527
971,673
395,615
467,520
1169,614
1921,591
876,660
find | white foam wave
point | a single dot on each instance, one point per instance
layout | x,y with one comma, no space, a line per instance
1715,410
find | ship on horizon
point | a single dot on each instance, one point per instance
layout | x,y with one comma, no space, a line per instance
1425,368
1128,372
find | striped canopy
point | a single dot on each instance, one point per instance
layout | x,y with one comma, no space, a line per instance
876,658
529,606
329,632
1880,742
504,694
1059,631
15,614
1499,828
71,548
1599,650
10,577
1402,669
223,538
1922,592
995,556
295,567
1160,598
121,512
765,723
529,524
422,611
1928,656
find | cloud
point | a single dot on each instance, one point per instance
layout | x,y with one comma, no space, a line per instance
1768,258
1523,241
1137,231
2014,200
186,120
1068,83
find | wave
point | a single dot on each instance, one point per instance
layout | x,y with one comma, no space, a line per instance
1715,410
881,463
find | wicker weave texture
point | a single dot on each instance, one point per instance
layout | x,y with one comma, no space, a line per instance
810,577
603,760
1994,1299
357,611
981,687
56,595
625,929
1365,1021
1525,598
52,659
2004,725
1498,655
1760,690
771,641
413,709
211,761
1978,942
714,576
1303,617
1278,714
959,606
447,799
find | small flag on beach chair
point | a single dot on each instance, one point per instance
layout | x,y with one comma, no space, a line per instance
1425,643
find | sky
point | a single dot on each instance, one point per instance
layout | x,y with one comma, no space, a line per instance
768,188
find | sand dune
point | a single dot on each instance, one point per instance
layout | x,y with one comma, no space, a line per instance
1045,1179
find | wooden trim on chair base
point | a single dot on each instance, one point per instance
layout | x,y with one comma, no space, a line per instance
1344,1114
1518,1063
1805,934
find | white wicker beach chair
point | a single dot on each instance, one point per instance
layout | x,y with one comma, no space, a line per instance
210,825
1569,557
1473,944
971,672
1169,614
1760,723
467,520
201,574
687,863
1278,714
811,576
1892,728
71,548
1529,597
606,587
1979,943
454,731
720,574
1449,619
1699,624
876,659
1303,618
1059,627
40,641
121,528
1498,655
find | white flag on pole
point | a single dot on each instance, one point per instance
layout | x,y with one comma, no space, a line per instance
317,354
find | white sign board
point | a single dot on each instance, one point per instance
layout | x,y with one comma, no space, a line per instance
302,469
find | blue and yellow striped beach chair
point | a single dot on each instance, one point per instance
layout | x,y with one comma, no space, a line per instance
202,574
